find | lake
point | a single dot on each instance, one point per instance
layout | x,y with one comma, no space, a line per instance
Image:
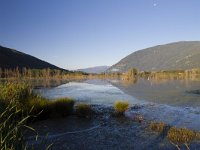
176,102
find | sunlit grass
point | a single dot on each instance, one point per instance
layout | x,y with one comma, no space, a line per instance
180,136
120,107
157,126
45,108
17,92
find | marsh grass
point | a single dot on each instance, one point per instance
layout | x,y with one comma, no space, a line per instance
198,136
13,126
41,108
177,136
13,121
157,126
16,92
18,106
44,108
63,106
181,136
120,107
24,98
84,110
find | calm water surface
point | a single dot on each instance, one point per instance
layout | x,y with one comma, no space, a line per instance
176,102
90,91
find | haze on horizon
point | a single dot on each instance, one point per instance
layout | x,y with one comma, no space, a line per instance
77,34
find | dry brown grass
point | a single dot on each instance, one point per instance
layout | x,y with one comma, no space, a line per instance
157,126
180,136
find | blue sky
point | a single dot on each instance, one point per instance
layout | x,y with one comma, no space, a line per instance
83,33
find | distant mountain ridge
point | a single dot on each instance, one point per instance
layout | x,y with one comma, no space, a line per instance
10,59
97,69
173,56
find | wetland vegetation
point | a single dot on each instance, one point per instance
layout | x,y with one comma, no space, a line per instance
22,107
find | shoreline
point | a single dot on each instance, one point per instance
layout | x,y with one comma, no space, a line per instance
102,131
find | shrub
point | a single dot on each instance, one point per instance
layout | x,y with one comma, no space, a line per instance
120,107
157,126
180,136
63,106
84,110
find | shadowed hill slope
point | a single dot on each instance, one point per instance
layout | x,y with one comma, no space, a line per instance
10,59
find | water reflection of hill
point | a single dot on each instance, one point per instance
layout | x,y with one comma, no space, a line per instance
174,76
172,91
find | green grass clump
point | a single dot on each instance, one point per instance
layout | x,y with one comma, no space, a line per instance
120,107
84,110
13,121
157,126
41,108
63,106
180,136
44,108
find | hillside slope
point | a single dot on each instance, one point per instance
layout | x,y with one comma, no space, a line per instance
173,56
10,59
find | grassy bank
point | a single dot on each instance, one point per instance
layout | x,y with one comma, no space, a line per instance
130,75
19,106
25,99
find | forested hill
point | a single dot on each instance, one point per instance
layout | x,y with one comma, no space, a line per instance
173,56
